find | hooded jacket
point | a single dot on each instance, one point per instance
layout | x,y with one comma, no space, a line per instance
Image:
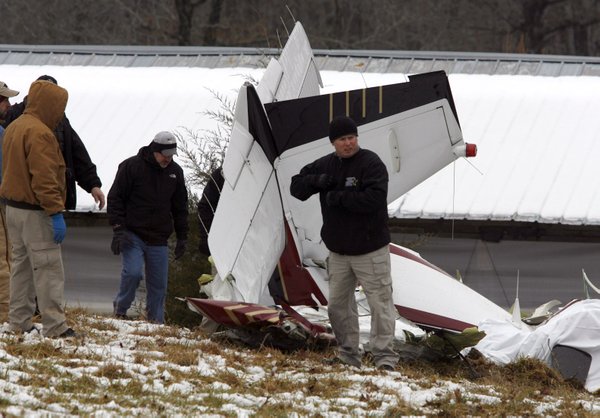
80,167
33,169
148,199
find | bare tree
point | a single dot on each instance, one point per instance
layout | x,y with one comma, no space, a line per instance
214,17
141,22
204,150
185,13
537,26
541,26
584,19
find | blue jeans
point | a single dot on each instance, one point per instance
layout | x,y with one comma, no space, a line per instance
135,253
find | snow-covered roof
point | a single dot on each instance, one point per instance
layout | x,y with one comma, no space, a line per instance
532,117
538,144
368,61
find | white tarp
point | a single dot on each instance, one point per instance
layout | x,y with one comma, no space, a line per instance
577,326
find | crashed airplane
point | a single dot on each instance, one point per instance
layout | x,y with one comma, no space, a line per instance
279,127
266,245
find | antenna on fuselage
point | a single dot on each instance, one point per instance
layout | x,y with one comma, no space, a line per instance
516,308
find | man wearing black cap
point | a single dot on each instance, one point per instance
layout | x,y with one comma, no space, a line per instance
352,185
147,200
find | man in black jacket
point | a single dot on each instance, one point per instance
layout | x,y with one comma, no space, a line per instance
207,205
80,167
147,200
352,186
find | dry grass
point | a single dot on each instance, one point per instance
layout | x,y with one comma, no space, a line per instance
132,368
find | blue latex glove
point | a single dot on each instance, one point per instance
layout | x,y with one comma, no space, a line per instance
59,226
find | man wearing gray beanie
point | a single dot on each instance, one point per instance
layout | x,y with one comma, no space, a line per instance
147,201
352,185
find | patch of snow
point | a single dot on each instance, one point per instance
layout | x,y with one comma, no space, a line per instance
159,380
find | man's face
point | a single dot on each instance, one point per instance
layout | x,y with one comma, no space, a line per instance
163,160
4,104
346,146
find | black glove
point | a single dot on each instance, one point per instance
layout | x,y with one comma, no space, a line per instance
334,198
322,182
180,248
118,240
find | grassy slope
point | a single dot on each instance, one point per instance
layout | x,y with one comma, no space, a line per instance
135,368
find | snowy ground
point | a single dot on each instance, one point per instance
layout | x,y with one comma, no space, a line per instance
132,368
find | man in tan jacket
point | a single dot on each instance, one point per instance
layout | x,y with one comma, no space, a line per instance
33,188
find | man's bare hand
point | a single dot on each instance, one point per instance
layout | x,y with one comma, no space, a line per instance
98,196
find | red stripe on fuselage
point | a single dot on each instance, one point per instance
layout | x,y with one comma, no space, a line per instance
298,284
394,249
429,320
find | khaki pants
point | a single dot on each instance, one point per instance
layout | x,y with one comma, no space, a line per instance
372,270
4,266
37,269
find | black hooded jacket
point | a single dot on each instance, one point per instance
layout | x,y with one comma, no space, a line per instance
355,218
80,167
149,200
207,205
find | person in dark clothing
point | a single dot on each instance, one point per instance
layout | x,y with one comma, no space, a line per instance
147,200
208,205
352,186
80,168
5,95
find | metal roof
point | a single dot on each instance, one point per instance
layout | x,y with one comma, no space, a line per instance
333,60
